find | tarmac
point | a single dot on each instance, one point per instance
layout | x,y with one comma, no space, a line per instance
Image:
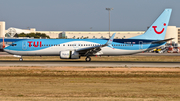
94,63
90,64
139,54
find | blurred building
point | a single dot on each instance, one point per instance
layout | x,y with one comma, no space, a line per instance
2,29
172,32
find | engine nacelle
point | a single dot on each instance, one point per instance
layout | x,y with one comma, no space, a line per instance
69,55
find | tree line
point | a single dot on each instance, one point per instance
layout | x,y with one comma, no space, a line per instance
35,35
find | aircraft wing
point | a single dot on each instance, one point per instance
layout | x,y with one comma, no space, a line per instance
161,41
90,50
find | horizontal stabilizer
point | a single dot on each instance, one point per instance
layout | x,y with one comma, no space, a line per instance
161,41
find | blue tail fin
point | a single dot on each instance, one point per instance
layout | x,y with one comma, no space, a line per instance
157,31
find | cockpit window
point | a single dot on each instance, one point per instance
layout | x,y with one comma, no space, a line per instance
13,44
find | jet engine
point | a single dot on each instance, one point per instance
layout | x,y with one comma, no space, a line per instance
69,55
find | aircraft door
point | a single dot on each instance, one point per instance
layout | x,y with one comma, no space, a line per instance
24,45
140,45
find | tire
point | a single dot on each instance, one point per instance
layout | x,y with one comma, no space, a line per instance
21,59
88,59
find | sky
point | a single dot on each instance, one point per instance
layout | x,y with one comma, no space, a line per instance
86,15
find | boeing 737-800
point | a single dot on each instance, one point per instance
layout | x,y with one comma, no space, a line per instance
76,48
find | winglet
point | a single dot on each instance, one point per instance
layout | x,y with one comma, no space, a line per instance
109,42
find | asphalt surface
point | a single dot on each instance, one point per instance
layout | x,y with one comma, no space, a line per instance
139,54
157,54
89,64
3,53
95,63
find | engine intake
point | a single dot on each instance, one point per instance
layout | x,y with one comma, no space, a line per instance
69,55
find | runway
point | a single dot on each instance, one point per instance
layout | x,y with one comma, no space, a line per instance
90,64
94,63
138,54
4,53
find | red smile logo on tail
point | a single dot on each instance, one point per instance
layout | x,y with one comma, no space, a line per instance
157,31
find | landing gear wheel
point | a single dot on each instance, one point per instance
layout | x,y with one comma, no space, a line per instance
21,59
88,59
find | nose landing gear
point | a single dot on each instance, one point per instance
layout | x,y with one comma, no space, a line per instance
21,59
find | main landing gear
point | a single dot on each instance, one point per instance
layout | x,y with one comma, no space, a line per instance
88,59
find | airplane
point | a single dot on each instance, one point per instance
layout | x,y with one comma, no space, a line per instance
76,48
